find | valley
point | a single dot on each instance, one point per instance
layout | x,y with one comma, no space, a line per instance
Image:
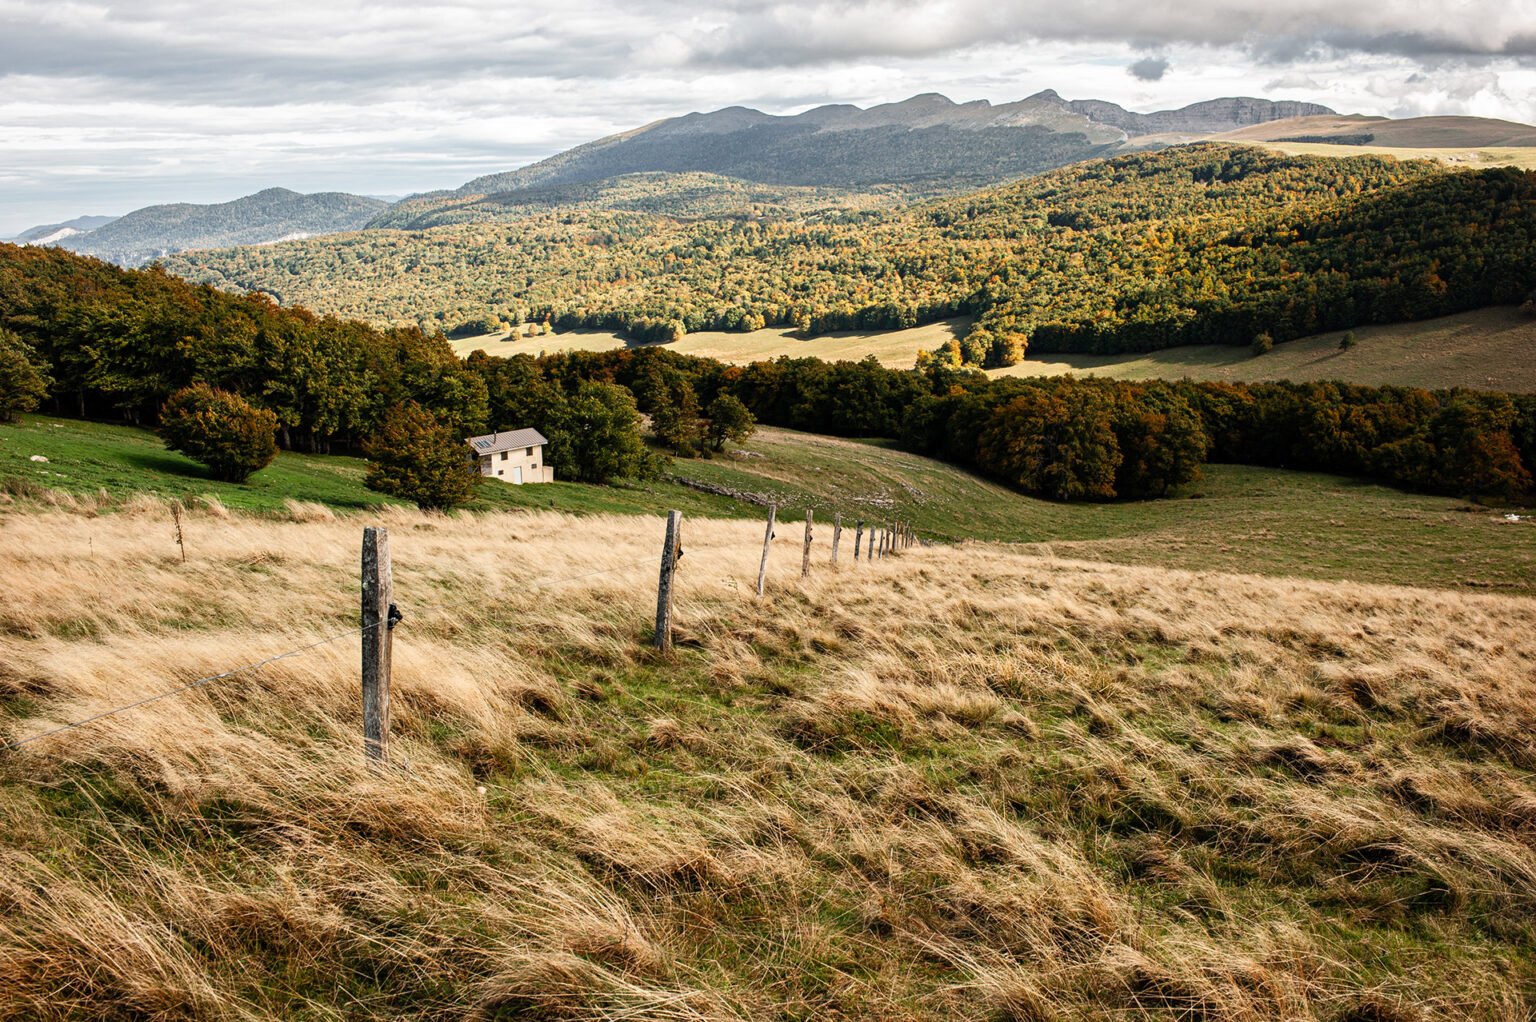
1205,690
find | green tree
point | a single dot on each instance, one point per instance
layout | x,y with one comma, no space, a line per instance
1060,444
222,430
599,437
415,457
677,422
23,376
730,420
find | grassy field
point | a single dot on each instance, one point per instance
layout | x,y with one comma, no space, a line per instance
1235,519
99,462
894,348
1469,158
964,783
1489,349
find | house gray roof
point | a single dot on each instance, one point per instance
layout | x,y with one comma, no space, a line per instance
495,443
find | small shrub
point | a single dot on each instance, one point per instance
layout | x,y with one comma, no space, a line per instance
1347,341
228,434
1263,344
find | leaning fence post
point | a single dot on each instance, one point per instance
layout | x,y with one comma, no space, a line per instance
837,535
377,627
858,539
670,552
762,570
805,554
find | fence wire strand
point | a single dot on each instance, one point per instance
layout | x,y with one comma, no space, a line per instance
248,668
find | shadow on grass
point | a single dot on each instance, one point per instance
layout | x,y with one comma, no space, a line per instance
165,462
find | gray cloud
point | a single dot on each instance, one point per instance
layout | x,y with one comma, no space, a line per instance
812,31
1149,69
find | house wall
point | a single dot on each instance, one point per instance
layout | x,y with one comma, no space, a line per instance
502,466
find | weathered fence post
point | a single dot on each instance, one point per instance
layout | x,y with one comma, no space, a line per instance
377,626
872,531
858,539
805,555
762,570
837,535
670,552
882,543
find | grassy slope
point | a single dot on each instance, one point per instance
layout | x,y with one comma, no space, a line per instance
87,457
962,784
1237,518
1471,158
1489,349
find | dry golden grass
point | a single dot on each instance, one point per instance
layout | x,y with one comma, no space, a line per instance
961,783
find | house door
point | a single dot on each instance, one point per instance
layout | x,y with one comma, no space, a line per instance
517,475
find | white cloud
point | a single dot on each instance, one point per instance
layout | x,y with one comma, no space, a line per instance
106,105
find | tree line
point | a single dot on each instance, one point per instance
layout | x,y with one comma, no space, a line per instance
100,341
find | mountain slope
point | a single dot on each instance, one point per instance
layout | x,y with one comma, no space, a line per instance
925,138
272,215
1404,133
48,234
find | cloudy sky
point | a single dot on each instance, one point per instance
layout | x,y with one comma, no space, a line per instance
106,106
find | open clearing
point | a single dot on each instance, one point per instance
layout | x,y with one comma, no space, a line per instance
894,348
1470,158
961,783
1236,518
1487,349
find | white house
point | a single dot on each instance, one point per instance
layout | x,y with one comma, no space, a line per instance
513,457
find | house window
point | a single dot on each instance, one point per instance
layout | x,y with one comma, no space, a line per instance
530,453
503,455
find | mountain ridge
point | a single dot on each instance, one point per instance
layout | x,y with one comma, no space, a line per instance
796,149
272,214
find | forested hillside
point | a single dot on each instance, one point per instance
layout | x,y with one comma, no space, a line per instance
270,215
1199,244
116,341
682,195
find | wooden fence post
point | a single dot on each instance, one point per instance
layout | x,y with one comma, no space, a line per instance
837,535
805,555
858,539
670,552
872,531
762,570
378,623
